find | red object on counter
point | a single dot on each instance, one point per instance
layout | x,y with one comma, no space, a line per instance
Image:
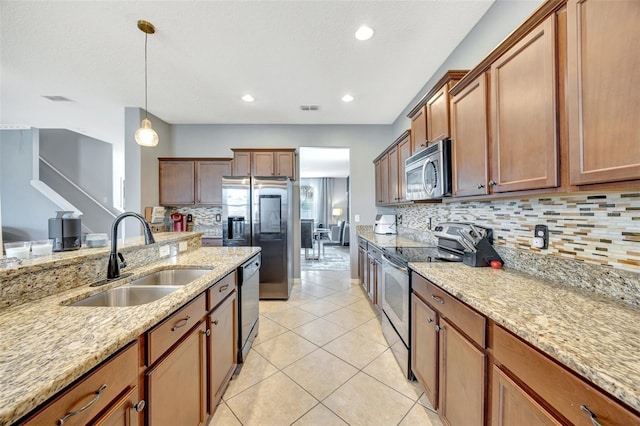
179,222
496,264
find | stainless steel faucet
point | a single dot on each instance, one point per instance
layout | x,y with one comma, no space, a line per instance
113,270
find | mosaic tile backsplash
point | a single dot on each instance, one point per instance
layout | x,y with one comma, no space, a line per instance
602,229
205,219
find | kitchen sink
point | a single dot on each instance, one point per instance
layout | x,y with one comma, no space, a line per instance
170,277
127,295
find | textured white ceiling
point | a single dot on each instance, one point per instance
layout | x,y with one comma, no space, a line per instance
206,54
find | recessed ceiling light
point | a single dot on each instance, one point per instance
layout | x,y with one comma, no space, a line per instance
57,98
248,98
347,98
364,33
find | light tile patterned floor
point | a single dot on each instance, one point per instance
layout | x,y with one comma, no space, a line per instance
320,359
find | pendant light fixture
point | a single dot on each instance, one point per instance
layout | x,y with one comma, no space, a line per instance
145,135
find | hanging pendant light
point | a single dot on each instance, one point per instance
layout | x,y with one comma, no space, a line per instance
145,135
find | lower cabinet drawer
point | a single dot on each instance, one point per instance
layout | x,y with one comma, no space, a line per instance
168,332
220,290
82,402
565,392
465,318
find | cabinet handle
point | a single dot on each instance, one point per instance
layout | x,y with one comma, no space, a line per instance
437,299
438,328
80,410
429,320
215,322
591,415
181,323
207,332
223,288
492,183
480,186
139,406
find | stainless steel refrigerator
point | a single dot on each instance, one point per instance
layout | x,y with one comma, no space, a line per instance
257,211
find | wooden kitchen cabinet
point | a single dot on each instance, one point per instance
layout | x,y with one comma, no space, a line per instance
177,182
404,152
209,175
461,375
97,392
448,353
123,412
513,406
384,179
391,183
363,269
470,135
524,136
394,169
603,101
418,128
222,348
192,181
264,162
424,348
176,385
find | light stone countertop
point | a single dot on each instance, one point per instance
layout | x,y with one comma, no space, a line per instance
593,335
389,240
45,345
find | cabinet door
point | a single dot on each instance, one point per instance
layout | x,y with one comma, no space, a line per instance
363,268
209,179
462,372
404,152
438,115
176,386
222,348
242,163
392,158
424,348
177,183
262,163
470,139
512,406
419,130
285,164
384,179
378,182
603,98
524,146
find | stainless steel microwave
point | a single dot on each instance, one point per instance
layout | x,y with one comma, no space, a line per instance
428,172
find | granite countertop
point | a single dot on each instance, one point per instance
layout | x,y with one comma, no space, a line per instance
593,335
45,345
389,240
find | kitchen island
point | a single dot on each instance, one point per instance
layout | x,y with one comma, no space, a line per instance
45,345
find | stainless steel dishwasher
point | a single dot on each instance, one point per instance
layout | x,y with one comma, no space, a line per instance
248,294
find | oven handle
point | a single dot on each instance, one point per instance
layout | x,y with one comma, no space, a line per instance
396,266
424,178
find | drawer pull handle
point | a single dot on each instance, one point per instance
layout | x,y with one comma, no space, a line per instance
438,328
207,332
139,406
215,322
437,299
429,320
591,415
181,323
223,288
89,404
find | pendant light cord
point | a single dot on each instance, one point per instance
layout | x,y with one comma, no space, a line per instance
146,114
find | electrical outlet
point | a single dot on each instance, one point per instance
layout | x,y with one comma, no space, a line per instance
163,251
542,232
356,218
399,219
183,245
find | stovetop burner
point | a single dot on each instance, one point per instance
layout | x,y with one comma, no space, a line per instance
422,254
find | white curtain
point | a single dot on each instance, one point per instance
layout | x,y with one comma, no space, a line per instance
321,192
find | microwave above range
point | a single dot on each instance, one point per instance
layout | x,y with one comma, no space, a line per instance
429,173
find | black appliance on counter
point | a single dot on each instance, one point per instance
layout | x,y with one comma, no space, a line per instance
66,232
396,283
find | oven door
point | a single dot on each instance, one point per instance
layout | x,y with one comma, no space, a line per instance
395,296
414,173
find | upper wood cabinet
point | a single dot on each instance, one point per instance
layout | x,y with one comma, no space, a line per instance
192,181
430,117
264,162
470,135
524,137
602,96
391,184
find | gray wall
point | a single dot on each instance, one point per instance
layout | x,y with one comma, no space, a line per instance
84,160
25,211
141,166
498,22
